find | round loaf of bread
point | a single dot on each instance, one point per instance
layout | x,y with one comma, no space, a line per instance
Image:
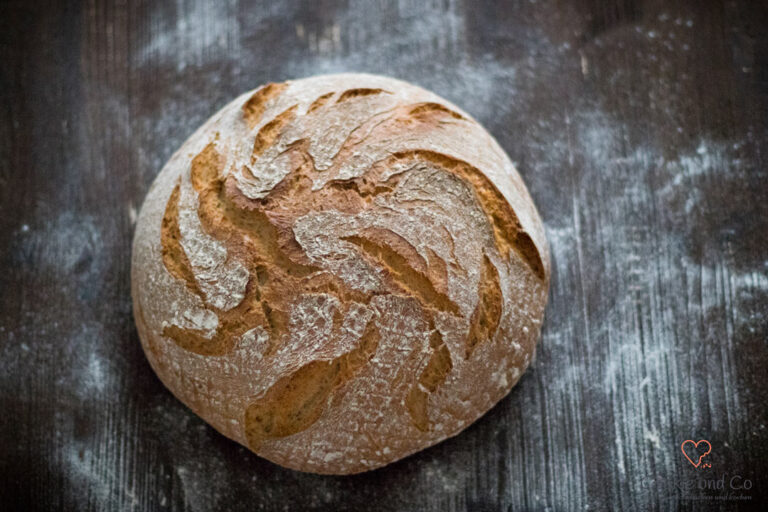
339,271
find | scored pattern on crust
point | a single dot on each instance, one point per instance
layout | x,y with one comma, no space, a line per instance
265,210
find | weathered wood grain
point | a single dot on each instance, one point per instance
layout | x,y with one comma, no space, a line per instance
640,127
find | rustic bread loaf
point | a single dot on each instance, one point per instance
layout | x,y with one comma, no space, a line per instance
339,271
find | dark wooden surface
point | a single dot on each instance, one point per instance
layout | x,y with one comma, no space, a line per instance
640,127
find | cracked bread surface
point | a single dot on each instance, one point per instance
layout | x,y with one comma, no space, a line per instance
339,271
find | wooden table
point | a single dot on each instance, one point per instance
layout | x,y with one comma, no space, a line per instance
640,128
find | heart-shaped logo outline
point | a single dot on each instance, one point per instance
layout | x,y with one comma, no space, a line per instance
696,445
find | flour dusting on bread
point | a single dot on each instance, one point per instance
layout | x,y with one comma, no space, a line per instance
339,271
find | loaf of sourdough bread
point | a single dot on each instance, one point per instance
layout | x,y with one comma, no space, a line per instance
339,271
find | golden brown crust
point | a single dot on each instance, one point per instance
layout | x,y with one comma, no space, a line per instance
343,266
296,401
254,107
484,321
436,371
174,258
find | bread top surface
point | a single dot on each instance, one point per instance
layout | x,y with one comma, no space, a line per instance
339,271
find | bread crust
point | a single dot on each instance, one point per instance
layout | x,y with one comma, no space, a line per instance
339,271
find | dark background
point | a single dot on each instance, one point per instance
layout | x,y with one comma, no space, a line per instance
640,128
